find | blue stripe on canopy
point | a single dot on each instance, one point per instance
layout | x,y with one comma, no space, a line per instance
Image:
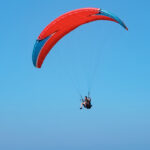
37,48
108,14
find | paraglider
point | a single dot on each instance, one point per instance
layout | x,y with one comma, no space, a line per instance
65,24
61,26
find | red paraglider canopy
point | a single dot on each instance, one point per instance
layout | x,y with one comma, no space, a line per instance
65,24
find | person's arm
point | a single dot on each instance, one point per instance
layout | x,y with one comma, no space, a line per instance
82,100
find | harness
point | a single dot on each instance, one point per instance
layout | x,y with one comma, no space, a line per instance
88,104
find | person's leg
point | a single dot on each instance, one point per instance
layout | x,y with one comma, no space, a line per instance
81,105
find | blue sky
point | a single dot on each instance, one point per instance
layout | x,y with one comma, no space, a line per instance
39,108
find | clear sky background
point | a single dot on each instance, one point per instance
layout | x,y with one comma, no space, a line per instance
39,108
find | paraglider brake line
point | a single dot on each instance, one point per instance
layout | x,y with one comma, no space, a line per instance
88,94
